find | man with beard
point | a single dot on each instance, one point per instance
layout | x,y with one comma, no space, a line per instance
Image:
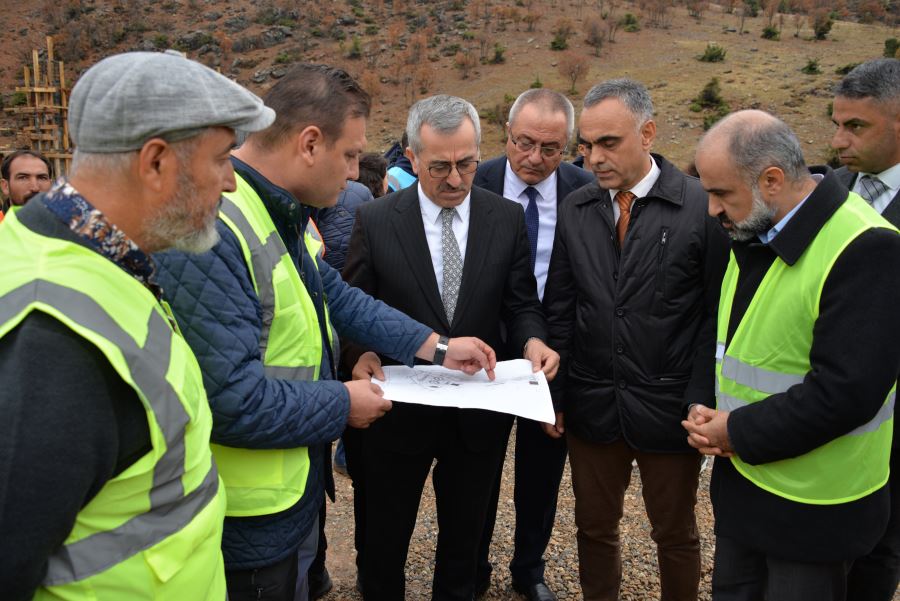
631,303
806,368
107,483
263,313
23,174
867,115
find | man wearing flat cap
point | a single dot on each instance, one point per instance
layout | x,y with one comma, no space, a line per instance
263,313
108,489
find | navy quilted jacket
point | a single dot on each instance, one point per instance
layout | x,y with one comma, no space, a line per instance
336,223
219,314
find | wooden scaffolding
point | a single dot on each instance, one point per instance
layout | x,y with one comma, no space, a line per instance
43,119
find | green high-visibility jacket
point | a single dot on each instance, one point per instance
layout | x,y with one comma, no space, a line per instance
154,531
769,353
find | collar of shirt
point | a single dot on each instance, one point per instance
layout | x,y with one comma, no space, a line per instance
642,188
773,231
890,177
90,225
432,212
514,187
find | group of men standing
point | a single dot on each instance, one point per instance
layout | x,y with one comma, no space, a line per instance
774,352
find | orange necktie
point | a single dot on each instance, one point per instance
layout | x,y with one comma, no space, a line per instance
624,198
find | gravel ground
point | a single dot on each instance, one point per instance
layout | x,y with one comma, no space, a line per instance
640,581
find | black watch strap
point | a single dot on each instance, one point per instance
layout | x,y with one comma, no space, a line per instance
440,350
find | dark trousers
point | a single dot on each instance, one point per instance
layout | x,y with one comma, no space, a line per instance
463,479
353,449
540,461
281,581
600,476
743,574
874,577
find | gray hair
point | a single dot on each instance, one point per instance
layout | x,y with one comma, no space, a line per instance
443,113
115,164
549,100
878,79
755,144
633,95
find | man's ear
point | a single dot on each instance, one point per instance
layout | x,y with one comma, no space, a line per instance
310,142
648,134
771,182
412,159
157,164
4,187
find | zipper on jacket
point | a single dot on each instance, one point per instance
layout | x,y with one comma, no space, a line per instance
660,258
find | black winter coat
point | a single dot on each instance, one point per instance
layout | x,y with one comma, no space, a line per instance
635,329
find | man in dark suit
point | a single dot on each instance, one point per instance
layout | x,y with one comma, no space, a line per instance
866,112
458,258
541,124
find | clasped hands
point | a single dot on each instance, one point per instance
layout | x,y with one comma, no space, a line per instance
708,431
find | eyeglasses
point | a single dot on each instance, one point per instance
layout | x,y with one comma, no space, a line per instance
548,152
441,170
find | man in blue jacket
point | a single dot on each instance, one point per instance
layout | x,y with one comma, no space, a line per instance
254,311
533,174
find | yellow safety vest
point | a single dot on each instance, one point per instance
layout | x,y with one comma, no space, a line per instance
769,353
154,531
265,481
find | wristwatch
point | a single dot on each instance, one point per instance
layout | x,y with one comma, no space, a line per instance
440,350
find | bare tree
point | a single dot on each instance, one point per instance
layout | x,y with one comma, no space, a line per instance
465,61
574,67
594,33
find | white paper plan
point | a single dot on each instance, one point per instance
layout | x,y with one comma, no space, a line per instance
516,389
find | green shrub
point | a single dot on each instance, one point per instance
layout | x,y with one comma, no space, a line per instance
629,23
18,99
891,45
161,41
536,83
811,67
559,42
355,48
771,32
710,119
695,107
498,54
713,53
372,29
846,68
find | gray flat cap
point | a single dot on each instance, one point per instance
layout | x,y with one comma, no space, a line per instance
126,99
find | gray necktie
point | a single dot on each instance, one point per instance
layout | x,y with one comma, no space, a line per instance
871,188
452,263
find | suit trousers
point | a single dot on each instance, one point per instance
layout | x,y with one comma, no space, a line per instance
540,461
744,574
600,475
874,577
395,477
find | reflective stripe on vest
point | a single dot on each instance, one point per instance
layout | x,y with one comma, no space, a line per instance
265,481
155,529
264,257
769,353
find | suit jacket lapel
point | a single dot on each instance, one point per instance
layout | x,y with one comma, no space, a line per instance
477,246
892,211
410,234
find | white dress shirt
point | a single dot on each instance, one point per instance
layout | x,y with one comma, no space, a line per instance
431,219
890,178
640,190
514,189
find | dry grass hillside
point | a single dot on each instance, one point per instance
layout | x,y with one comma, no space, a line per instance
486,51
